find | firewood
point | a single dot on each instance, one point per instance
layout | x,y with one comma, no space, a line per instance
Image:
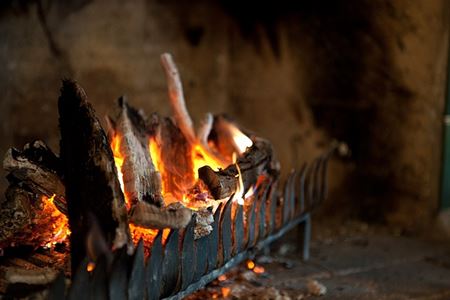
205,129
175,155
176,97
25,220
89,172
150,216
256,160
37,167
39,276
142,182
180,112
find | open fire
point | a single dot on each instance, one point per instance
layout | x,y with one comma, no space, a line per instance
195,202
199,158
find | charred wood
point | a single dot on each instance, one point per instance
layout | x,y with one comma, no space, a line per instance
175,155
176,97
180,113
142,182
256,160
26,220
89,172
37,167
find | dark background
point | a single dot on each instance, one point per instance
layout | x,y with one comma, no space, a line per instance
368,72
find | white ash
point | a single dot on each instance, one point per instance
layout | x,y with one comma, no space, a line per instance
203,220
316,288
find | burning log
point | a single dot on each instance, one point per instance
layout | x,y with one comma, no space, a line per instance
32,212
181,114
176,97
142,182
149,216
37,167
227,137
174,216
254,162
90,176
205,129
28,219
175,154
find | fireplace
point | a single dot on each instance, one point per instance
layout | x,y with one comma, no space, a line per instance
148,208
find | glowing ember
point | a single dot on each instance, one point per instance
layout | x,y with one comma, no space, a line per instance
225,291
222,277
90,267
250,264
194,197
60,224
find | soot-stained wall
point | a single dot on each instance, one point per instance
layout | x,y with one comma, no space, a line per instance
370,73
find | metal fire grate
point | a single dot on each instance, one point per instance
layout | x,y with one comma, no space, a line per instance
183,265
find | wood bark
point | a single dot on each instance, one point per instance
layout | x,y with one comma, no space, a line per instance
90,176
37,167
175,153
25,220
150,216
180,113
254,162
142,182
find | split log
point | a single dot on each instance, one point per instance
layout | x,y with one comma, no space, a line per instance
176,97
142,182
38,276
256,160
89,172
205,129
150,216
175,154
37,167
175,216
27,220
180,112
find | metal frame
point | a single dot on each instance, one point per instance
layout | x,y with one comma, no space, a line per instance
183,265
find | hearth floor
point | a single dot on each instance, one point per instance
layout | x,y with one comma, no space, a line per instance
364,263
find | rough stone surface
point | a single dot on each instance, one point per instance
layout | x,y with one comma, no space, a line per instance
372,263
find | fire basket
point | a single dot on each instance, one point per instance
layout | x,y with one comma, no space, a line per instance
153,208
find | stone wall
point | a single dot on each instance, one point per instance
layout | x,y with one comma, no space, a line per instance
367,72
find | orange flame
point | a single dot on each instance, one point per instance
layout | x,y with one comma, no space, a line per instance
225,291
222,277
201,158
250,264
239,194
90,267
118,159
60,224
241,141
